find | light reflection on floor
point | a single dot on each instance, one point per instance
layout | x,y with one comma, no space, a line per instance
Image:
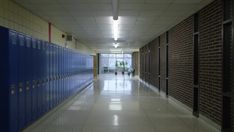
120,104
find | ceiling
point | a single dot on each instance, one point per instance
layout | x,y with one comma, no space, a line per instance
90,21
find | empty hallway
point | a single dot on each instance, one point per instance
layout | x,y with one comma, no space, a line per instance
116,65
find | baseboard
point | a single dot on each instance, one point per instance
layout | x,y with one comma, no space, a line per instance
215,126
177,102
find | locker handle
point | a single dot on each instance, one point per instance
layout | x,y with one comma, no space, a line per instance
20,90
12,92
20,87
12,89
27,88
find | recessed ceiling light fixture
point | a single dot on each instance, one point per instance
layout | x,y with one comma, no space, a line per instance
115,45
115,30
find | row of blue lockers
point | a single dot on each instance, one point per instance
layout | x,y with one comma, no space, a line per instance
36,76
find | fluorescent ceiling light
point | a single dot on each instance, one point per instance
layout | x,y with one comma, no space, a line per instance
115,8
115,45
115,29
115,100
116,50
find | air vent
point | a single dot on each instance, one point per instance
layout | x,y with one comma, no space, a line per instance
69,37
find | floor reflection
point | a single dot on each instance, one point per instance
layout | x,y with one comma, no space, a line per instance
117,86
119,104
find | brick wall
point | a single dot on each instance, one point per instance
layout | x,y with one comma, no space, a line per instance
232,82
181,61
152,47
163,62
210,52
135,62
152,63
155,60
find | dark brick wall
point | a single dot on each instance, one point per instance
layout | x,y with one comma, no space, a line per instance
135,62
156,41
181,62
142,67
232,64
163,62
154,64
210,52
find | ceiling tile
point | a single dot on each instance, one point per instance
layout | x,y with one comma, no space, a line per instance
91,20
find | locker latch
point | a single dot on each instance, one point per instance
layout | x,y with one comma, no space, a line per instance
12,89
20,87
27,86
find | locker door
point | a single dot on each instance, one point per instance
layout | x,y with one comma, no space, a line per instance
13,81
60,80
48,77
50,74
44,77
28,80
34,77
21,79
63,87
39,78
65,65
56,74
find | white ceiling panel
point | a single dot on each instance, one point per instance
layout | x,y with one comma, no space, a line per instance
103,20
159,1
91,22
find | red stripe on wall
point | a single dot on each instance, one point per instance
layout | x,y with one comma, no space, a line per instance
50,32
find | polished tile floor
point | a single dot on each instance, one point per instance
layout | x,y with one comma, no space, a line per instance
119,104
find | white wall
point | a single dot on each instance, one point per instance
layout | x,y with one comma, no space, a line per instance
16,17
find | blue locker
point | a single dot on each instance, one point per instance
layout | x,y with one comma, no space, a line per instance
56,75
59,73
13,81
63,87
39,85
34,77
8,80
57,79
41,80
28,77
47,77
50,76
66,72
53,76
21,79
43,77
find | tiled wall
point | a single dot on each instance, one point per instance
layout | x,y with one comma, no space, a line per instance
15,17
